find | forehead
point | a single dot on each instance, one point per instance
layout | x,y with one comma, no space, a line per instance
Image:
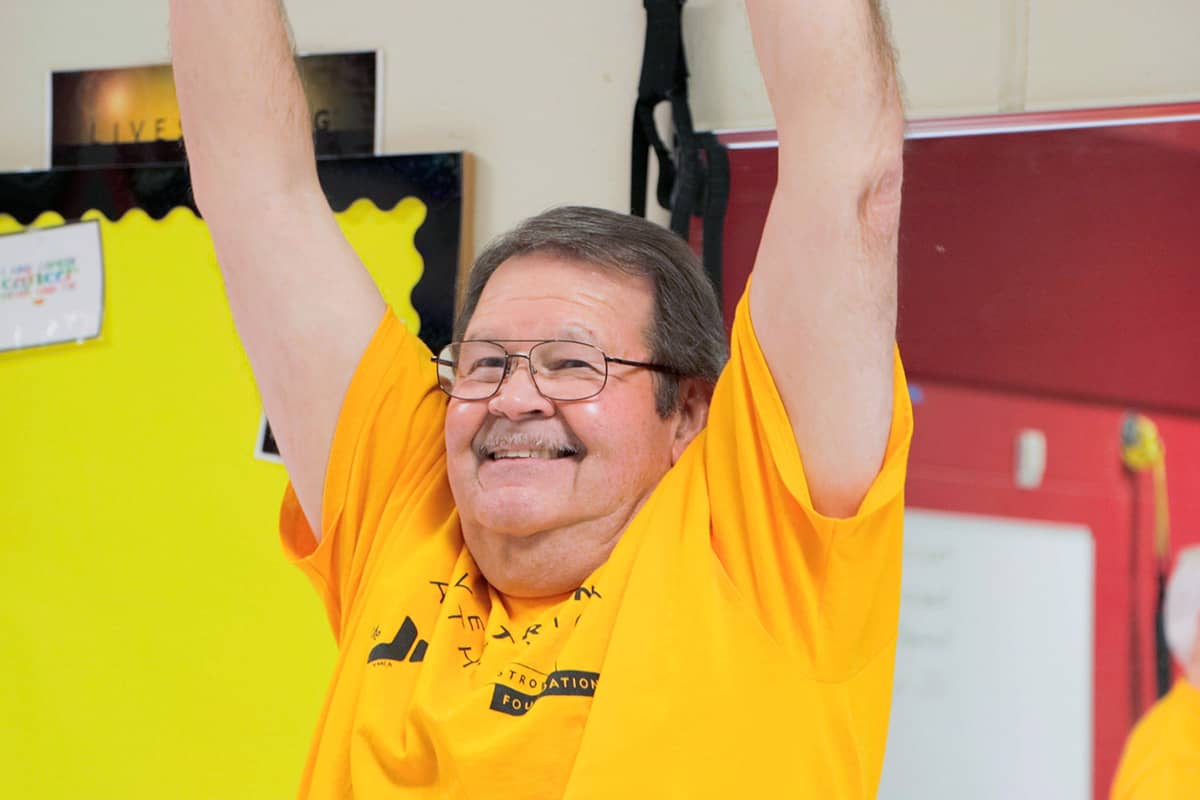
546,296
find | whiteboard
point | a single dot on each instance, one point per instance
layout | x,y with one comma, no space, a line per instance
993,685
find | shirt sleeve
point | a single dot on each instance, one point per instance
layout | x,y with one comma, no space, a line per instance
1167,781
1161,758
387,456
826,589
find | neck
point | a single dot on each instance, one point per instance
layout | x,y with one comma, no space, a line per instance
545,563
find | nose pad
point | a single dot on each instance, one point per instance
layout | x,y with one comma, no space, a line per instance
518,396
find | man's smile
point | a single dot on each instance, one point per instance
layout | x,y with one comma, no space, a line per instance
564,453
494,446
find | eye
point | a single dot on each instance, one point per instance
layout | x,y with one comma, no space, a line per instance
485,364
571,365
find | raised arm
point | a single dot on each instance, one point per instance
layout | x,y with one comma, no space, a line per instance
304,306
823,293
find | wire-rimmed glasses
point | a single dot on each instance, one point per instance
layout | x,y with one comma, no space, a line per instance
561,369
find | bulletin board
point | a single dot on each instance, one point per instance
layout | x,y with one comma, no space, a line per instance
439,182
156,641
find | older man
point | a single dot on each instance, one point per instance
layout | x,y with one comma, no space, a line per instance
561,557
1162,757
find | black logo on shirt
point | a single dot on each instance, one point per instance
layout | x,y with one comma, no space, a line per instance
397,649
560,683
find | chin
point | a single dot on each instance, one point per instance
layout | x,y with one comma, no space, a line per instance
513,511
521,585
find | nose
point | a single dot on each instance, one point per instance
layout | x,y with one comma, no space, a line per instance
518,396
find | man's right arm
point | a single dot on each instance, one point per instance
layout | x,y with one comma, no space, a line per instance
304,305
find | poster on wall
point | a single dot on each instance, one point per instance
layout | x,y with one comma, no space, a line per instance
51,285
129,115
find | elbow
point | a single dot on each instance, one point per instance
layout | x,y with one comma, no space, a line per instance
879,206
883,175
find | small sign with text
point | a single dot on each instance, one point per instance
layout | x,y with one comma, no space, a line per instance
51,285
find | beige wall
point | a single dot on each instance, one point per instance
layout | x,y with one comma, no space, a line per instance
541,90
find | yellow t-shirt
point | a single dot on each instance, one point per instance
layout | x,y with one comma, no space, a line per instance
735,644
1162,756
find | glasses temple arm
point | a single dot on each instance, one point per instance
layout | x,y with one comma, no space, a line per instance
645,364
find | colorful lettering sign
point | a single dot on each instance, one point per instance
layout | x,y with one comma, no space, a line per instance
51,285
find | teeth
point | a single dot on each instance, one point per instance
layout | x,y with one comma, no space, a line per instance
533,453
526,454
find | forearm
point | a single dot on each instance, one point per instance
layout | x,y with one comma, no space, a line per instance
245,117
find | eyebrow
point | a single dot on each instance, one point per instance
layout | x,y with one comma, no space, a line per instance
577,333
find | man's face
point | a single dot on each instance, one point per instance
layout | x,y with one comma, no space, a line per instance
538,524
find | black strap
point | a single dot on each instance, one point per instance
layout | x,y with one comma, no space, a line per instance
695,180
1162,652
714,201
664,78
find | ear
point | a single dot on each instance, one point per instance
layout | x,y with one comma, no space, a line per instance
692,415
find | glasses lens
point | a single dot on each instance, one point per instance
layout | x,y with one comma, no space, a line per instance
471,370
568,370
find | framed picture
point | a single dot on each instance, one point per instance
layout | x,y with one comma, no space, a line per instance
129,115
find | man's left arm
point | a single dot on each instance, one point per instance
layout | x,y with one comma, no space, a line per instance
823,294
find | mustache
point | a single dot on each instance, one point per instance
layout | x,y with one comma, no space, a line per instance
491,441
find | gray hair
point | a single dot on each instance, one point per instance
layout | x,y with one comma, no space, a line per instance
686,332
1182,605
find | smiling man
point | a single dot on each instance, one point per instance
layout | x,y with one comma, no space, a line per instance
576,554
551,455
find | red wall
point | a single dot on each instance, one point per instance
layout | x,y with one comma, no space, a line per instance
962,460
1061,262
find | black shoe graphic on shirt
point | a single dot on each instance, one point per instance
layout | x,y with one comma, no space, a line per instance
397,649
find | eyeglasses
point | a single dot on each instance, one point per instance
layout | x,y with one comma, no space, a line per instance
559,368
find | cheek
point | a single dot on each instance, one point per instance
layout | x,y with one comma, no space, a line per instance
623,435
463,421
593,424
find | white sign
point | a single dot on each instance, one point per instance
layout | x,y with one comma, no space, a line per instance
51,285
993,686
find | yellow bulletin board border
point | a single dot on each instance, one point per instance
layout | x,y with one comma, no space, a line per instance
442,182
